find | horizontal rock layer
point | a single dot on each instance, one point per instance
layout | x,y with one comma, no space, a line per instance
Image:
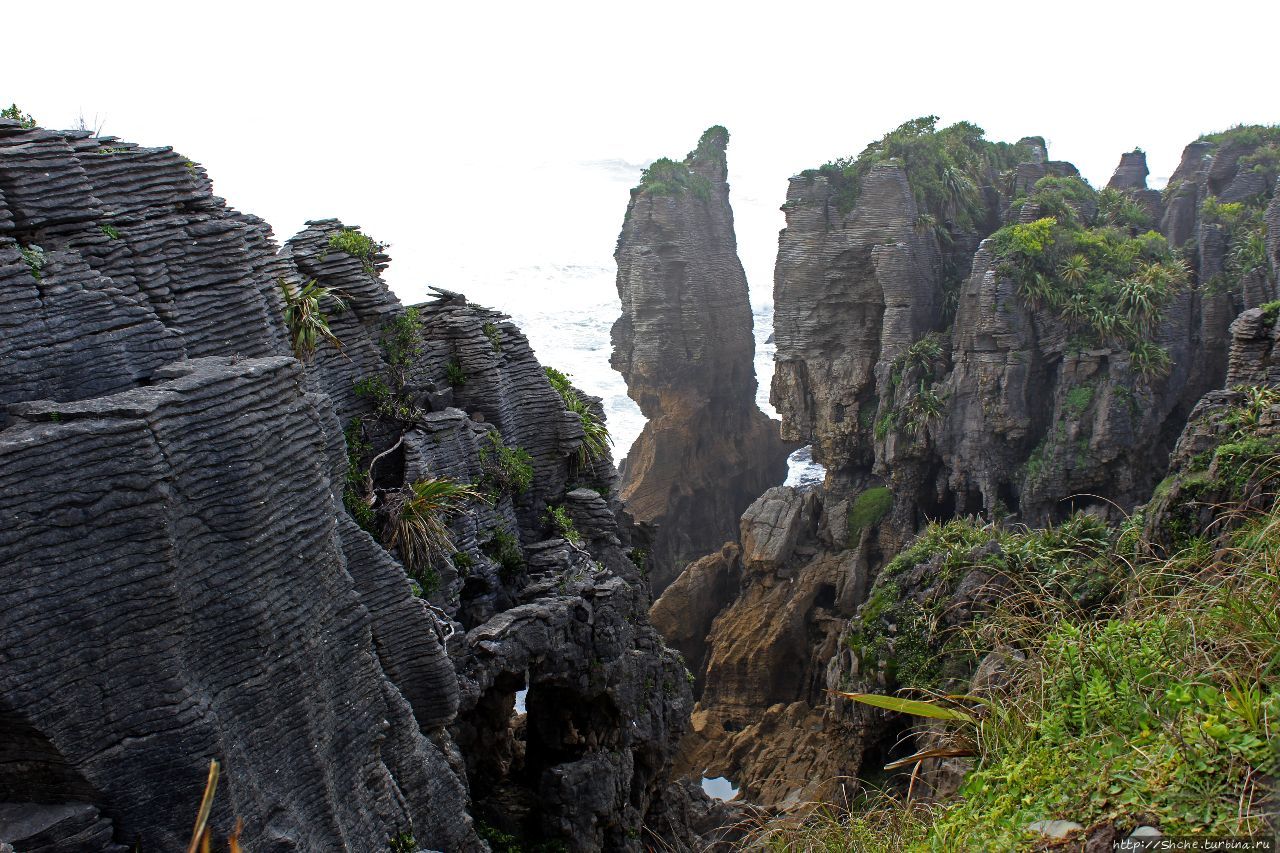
183,582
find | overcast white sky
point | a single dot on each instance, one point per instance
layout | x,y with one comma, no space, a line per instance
474,135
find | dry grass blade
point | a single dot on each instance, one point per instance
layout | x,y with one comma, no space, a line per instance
941,752
200,835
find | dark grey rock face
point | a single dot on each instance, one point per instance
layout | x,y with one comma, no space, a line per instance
1132,172
685,347
173,625
180,580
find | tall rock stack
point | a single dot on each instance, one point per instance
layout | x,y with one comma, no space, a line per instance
685,347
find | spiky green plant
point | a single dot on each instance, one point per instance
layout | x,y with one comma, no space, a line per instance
1074,270
595,435
417,523
305,318
1151,361
924,407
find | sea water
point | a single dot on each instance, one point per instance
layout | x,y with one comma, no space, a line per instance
550,267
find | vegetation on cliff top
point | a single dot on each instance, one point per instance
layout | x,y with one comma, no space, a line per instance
947,169
15,113
1084,260
665,176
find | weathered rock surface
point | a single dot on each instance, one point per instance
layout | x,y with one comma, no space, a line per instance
1027,424
181,581
1227,453
685,611
685,347
761,719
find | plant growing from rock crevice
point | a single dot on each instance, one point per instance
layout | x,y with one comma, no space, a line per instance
507,470
494,334
417,524
562,523
596,438
504,549
305,317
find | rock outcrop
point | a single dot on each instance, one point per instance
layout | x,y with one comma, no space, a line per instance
935,381
192,553
685,347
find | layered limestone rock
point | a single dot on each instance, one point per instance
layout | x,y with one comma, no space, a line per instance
192,548
761,719
932,387
685,347
1226,455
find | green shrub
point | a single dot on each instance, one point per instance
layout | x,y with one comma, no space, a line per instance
1243,225
921,409
1246,134
13,112
402,339
1120,209
354,490
868,508
109,231
454,374
504,549
34,257
596,438
922,357
666,177
884,425
1158,706
1271,312
562,523
494,334
1078,399
506,469
354,243
1110,287
402,842
947,169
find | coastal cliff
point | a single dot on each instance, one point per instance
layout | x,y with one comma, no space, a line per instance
256,510
685,347
964,329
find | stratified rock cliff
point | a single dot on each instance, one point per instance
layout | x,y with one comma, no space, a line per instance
685,347
192,558
963,328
